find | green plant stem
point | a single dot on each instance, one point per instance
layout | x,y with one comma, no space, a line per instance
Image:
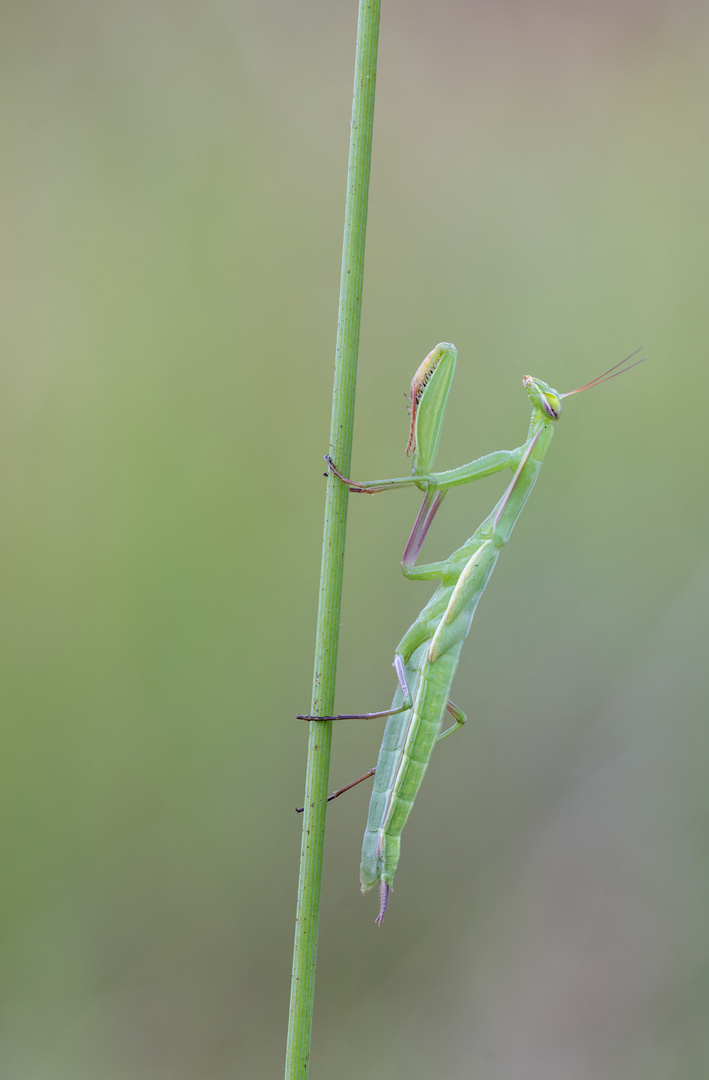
333,550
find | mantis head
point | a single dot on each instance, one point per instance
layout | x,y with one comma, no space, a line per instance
548,401
543,397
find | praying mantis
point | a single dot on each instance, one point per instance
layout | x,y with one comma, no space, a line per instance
427,657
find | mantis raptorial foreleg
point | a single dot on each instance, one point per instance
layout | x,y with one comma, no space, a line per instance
427,657
436,486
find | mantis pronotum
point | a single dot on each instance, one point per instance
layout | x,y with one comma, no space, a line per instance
427,657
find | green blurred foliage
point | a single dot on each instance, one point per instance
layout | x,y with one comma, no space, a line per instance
171,217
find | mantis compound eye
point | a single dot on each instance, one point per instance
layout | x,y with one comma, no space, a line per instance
551,405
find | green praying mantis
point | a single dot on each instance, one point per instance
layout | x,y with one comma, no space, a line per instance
427,657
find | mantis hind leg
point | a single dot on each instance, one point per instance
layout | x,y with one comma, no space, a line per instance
459,717
342,790
457,714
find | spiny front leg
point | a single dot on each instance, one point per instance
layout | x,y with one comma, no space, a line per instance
373,487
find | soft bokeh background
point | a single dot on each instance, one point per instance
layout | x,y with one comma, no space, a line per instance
172,196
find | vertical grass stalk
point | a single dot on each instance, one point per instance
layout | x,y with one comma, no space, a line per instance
333,550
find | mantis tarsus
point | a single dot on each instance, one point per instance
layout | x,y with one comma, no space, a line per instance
427,657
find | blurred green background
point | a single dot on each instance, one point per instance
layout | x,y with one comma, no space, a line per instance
171,213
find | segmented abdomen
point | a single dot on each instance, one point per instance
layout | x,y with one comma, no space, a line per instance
406,750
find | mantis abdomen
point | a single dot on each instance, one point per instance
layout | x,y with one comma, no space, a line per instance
410,736
404,755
